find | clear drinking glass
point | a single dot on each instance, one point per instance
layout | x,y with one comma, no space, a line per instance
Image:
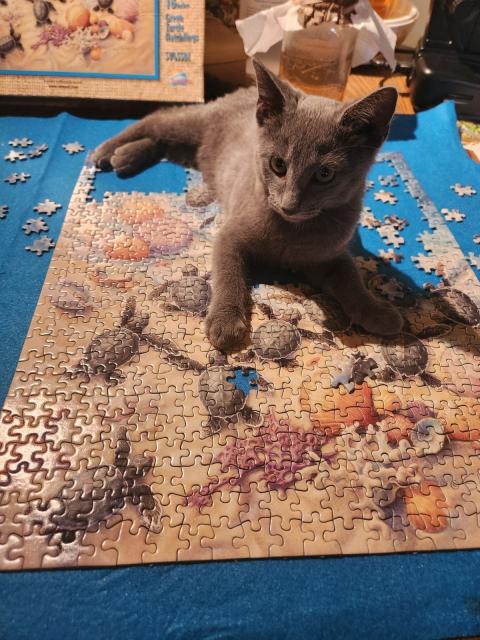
318,59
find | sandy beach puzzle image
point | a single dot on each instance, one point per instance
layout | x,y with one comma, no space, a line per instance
128,439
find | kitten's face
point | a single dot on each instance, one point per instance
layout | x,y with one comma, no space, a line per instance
315,153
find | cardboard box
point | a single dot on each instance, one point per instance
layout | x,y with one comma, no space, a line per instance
116,49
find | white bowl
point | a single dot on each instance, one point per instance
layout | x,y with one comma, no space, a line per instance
404,15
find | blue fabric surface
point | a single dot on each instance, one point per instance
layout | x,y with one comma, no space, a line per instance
434,595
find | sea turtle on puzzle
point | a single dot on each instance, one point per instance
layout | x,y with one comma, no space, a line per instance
407,357
278,339
101,492
114,347
41,11
455,306
104,5
71,297
224,400
191,292
10,42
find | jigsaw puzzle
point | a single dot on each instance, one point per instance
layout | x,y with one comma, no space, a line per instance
125,438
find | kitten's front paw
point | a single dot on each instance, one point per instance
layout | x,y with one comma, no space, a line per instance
103,154
379,318
126,159
226,329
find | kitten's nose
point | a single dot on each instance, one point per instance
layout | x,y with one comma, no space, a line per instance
288,211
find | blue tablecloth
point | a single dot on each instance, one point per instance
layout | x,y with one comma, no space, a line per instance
434,595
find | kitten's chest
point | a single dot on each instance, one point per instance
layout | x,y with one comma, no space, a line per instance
293,249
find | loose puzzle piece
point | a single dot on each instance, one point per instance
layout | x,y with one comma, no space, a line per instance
126,438
34,225
462,190
41,245
3,211
13,178
47,207
20,142
453,215
73,147
385,196
13,156
38,151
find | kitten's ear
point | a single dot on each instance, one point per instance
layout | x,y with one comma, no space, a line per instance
371,115
274,96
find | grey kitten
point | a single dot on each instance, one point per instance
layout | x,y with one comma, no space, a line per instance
289,172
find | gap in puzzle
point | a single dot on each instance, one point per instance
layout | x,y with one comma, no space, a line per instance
129,440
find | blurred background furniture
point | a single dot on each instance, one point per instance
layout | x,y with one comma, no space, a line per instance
447,63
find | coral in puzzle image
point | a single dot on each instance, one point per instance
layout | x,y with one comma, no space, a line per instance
138,442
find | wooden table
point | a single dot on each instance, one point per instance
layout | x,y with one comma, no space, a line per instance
360,85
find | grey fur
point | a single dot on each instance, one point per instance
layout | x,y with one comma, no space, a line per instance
292,221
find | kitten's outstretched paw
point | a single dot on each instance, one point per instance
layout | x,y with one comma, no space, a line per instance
226,329
379,318
126,159
102,154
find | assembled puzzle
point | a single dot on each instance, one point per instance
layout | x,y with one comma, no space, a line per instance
125,438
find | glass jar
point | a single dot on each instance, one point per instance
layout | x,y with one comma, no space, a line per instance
318,58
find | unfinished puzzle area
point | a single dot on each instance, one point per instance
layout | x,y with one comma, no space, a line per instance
125,438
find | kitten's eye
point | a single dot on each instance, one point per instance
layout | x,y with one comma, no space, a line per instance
324,174
278,166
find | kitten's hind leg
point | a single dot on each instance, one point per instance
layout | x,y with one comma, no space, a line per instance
173,133
341,279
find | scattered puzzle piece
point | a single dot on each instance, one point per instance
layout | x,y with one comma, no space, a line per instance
34,225
73,147
13,156
47,207
368,220
41,245
390,255
473,260
20,142
461,190
390,235
388,181
385,196
38,151
3,211
453,215
13,178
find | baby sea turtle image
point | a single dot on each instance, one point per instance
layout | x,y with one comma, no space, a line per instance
71,297
100,493
278,339
191,293
407,357
41,11
114,347
455,306
224,399
104,5
10,42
